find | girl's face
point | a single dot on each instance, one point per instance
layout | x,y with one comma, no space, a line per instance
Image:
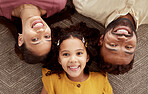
73,57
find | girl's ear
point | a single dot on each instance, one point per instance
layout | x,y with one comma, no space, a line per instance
20,40
87,58
101,40
59,60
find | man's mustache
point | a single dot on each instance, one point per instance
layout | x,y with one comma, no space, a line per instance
126,35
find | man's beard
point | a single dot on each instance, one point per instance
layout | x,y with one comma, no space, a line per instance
121,22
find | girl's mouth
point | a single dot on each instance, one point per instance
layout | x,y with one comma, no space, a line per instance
74,68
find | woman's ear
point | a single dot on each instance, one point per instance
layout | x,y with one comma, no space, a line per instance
20,40
87,58
101,40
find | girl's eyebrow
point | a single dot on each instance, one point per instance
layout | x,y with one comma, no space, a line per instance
68,50
80,49
64,51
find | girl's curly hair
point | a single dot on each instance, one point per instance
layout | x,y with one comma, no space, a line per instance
79,31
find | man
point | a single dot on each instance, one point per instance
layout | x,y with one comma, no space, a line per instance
121,19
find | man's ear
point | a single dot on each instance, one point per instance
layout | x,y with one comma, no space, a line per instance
20,40
101,40
87,58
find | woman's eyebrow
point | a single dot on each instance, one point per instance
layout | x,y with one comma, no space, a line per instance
36,43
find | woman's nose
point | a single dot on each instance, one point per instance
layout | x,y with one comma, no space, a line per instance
40,30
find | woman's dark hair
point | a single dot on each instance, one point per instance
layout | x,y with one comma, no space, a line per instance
15,27
79,31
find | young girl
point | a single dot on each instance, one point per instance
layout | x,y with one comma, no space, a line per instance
67,72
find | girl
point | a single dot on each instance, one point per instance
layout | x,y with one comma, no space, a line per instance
69,68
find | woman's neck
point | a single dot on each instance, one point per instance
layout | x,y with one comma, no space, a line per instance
26,11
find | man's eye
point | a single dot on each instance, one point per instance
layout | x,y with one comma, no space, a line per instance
35,39
128,47
113,44
79,53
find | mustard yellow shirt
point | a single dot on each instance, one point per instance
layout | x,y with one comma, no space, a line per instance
105,11
95,84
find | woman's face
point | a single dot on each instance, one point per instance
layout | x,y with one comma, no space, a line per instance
36,35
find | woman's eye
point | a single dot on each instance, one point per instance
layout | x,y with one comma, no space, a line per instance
79,53
47,36
35,39
113,44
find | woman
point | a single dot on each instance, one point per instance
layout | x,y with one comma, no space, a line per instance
35,39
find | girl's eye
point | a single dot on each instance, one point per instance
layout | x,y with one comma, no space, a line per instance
79,53
47,36
113,44
35,39
65,54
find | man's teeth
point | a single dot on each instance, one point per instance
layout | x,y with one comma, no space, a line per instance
38,25
122,31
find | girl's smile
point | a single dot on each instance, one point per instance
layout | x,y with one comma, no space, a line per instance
73,57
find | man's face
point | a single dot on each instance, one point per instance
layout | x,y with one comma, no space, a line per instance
119,42
36,35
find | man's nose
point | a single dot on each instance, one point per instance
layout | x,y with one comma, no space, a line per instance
122,38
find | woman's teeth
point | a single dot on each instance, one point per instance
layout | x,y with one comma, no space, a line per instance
38,25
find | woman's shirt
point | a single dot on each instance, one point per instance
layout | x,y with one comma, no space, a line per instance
95,84
51,6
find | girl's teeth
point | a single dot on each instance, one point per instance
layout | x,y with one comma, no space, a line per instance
74,67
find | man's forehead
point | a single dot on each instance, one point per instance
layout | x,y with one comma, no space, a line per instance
116,59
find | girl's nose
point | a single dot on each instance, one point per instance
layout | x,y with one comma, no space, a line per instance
73,59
